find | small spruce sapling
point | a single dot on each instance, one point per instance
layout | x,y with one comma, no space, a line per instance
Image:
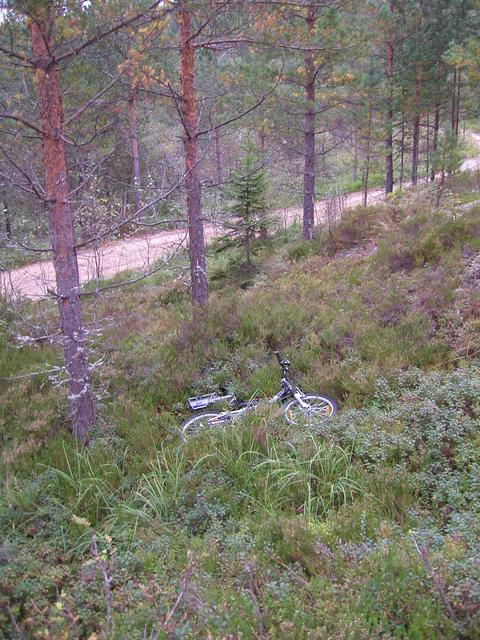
246,202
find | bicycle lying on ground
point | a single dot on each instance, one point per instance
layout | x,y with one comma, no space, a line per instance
308,409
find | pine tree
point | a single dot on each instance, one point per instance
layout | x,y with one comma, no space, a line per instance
247,204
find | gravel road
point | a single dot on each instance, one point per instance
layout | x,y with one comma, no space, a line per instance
138,253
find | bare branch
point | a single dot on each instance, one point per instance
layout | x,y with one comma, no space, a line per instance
107,583
143,276
7,116
113,29
185,583
85,106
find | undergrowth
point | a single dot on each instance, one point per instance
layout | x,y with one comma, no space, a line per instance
366,528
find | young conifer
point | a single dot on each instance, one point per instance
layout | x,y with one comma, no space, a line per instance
247,205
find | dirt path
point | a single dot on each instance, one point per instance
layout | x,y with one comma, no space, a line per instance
472,164
137,253
140,252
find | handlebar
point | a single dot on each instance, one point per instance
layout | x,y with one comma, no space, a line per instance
283,363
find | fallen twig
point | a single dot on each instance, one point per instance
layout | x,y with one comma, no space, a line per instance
107,582
21,634
253,597
185,584
437,583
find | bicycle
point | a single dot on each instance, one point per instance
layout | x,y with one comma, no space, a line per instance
309,409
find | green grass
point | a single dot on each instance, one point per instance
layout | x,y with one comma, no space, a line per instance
293,533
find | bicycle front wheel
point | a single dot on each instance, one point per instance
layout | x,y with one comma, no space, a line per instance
320,408
204,420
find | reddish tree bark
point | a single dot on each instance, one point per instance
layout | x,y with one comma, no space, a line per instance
60,221
188,114
309,135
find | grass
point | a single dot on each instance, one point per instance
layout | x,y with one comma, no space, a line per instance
364,528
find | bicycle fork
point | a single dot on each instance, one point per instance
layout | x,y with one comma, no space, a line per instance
297,394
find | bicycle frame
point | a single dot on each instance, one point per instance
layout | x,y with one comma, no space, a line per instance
287,391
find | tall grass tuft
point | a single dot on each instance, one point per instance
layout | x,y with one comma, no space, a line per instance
311,478
87,484
313,481
157,496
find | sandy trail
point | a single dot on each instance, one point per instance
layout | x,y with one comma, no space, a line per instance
138,253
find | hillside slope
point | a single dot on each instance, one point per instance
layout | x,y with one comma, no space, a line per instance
367,528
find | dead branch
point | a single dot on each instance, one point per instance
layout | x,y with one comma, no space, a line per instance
435,578
53,371
143,276
185,584
9,116
21,634
253,597
107,582
137,213
100,35
89,103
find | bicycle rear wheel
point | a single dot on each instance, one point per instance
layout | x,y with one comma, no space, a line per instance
200,421
320,409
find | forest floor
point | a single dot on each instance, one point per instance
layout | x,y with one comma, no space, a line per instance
139,252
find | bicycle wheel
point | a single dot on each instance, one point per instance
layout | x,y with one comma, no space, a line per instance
320,408
201,421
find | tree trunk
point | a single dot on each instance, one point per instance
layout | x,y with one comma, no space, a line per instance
367,159
416,128
355,158
453,115
218,156
436,126
198,271
262,136
309,140
440,187
247,249
402,152
60,220
132,134
415,148
427,167
457,118
389,134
